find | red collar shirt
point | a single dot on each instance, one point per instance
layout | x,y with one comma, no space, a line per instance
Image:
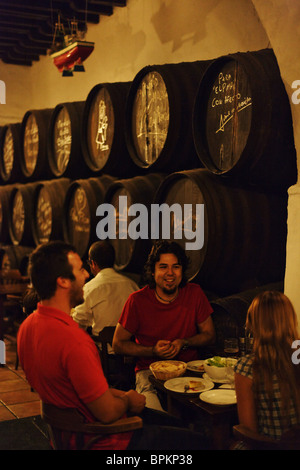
62,364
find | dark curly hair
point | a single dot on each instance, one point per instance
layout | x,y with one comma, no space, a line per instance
160,248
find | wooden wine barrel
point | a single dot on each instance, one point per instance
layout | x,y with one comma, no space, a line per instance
5,194
15,257
34,161
229,315
242,124
131,252
81,202
244,230
48,203
64,141
159,112
103,124
21,214
10,153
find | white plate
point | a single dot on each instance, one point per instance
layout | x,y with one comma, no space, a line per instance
219,397
223,381
228,386
194,366
177,384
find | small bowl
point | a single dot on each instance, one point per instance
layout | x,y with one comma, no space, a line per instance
165,370
217,373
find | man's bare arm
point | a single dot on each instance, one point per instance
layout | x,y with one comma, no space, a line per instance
205,336
114,403
122,344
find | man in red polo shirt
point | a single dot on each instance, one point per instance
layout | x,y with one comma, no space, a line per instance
61,361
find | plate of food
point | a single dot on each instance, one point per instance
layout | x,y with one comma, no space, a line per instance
188,385
196,366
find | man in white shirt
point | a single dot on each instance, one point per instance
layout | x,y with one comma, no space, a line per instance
105,294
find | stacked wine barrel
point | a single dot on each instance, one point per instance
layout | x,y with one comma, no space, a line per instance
215,132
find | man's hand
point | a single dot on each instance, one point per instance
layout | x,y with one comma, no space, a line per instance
165,349
136,401
178,345
168,349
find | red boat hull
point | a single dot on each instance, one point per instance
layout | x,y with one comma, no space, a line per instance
72,55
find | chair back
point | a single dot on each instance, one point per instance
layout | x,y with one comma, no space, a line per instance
105,337
118,369
67,423
290,440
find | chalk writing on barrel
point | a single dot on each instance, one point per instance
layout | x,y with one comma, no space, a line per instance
225,118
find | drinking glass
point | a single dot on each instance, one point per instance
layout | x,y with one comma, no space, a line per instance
231,347
229,374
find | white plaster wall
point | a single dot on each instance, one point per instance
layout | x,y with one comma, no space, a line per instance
145,32
281,20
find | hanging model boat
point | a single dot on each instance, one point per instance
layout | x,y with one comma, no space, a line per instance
69,51
71,57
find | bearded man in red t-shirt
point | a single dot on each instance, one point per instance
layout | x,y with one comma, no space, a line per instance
169,318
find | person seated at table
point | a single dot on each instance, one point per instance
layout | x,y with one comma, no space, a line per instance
62,364
169,317
29,300
104,297
267,382
105,294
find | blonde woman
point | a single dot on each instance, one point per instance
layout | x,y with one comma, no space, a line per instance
267,382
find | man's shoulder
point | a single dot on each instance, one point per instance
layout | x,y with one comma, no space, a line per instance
142,291
192,287
109,281
140,294
73,336
121,277
193,292
95,283
91,284
27,322
62,327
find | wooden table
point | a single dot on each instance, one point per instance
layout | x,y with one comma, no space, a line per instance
190,407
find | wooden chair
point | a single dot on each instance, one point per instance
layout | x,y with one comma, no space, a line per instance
118,369
105,338
63,422
290,440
